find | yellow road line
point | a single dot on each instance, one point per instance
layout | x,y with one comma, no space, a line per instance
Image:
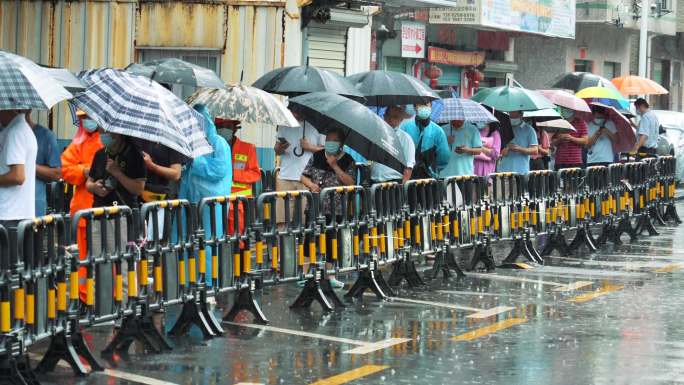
351,375
669,268
490,329
595,294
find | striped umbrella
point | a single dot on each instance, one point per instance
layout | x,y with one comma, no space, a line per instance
24,85
464,109
245,104
136,106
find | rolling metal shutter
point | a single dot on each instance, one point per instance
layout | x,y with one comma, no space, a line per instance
327,47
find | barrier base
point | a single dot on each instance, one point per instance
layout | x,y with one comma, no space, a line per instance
444,263
198,314
17,371
137,328
318,288
70,347
671,213
483,254
245,301
555,241
370,278
606,234
522,246
583,237
656,213
644,223
405,269
624,226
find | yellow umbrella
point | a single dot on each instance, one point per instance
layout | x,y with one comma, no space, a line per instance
637,85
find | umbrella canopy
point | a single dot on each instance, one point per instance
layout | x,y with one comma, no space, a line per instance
561,126
66,79
508,98
245,104
625,131
599,93
464,109
364,131
176,71
576,81
637,85
566,99
24,85
542,115
133,105
300,80
389,88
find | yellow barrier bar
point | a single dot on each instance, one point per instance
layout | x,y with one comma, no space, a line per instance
366,243
407,229
433,230
158,280
355,245
445,224
214,266
374,235
5,319
496,221
513,216
488,217
132,284
274,257
521,218
143,271
300,254
260,252
30,309
246,261
400,232
118,287
333,245
323,244
73,285
61,296
417,234
395,239
383,246
267,211
641,201
202,261
472,226
19,305
440,232
192,269
181,272
236,264
51,304
312,252
90,291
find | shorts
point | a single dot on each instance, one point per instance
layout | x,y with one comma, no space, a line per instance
288,185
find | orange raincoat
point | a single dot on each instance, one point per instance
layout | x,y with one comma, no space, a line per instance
246,172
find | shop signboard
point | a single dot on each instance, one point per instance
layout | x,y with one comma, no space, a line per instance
455,58
413,40
464,12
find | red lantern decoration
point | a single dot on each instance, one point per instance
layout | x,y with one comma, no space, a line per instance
433,73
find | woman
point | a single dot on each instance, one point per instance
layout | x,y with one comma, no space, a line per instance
77,159
540,161
330,167
485,162
569,146
602,135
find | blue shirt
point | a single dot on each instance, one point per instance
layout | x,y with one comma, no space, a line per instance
461,164
649,126
433,137
524,136
48,155
602,150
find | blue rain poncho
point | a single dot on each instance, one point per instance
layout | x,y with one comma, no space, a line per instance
208,176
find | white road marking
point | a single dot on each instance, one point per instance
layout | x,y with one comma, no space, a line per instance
626,265
497,277
437,304
363,347
490,312
476,293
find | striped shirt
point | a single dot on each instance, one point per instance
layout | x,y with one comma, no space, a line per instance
569,153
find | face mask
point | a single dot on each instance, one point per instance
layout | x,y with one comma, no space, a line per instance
515,122
332,147
226,134
599,121
567,114
106,139
424,113
89,125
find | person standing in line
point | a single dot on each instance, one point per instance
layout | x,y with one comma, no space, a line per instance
465,143
515,157
432,147
485,162
381,173
602,135
48,163
540,160
569,146
648,129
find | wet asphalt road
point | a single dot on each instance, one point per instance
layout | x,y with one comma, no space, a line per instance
613,317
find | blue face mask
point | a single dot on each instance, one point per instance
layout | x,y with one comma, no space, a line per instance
332,147
89,125
106,139
515,122
424,113
599,121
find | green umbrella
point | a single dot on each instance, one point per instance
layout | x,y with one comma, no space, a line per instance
508,98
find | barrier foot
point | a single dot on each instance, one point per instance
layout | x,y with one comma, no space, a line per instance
483,254
313,291
402,270
606,231
583,237
645,224
671,213
444,263
655,213
134,328
367,280
17,371
555,241
213,322
245,301
192,314
70,348
529,250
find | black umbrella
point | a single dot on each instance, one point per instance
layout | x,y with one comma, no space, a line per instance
576,81
364,131
176,71
388,88
300,80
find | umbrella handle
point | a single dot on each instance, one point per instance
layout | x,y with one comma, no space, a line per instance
298,154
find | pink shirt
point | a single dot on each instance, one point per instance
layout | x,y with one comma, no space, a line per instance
486,164
544,142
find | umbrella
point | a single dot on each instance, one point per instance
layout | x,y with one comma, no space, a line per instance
65,78
133,105
576,81
389,88
245,104
637,85
625,132
464,109
566,99
542,115
24,85
561,126
508,98
604,96
365,132
176,71
300,80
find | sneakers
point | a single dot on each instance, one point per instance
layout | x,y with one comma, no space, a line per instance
333,282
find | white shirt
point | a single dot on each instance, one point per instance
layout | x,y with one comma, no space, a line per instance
602,150
382,173
18,146
292,166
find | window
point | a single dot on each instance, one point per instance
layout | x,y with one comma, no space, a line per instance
584,65
611,69
204,58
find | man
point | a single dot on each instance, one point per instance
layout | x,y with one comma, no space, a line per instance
295,151
48,163
648,129
569,146
18,151
515,157
465,144
381,173
602,135
246,171
432,148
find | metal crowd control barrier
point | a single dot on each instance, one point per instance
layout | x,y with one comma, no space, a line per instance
576,180
667,166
